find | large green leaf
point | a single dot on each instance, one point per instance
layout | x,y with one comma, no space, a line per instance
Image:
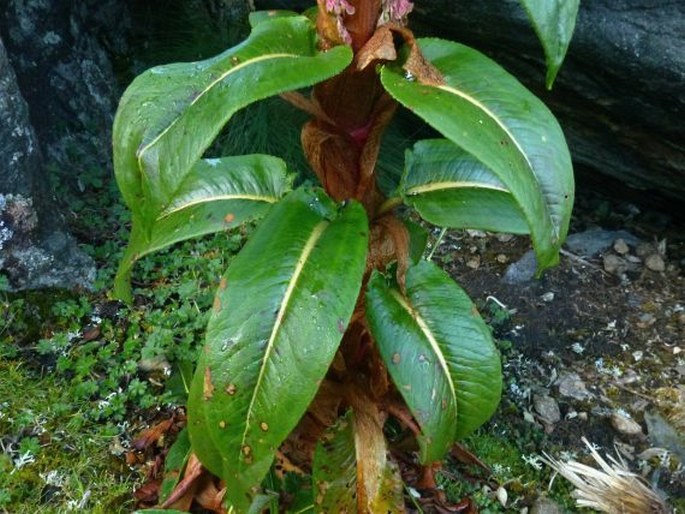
278,318
488,113
553,21
170,114
439,353
217,194
450,188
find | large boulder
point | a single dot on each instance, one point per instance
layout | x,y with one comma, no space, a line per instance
57,59
35,250
620,96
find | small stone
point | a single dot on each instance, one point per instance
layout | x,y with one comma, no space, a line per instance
473,262
504,238
522,270
614,264
502,259
548,296
547,407
629,377
544,505
655,262
502,496
476,233
572,386
621,247
625,425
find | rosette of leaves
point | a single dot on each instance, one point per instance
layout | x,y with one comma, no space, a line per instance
329,322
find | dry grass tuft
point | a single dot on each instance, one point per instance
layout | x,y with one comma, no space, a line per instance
613,488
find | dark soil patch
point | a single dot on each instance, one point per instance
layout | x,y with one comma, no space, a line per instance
622,331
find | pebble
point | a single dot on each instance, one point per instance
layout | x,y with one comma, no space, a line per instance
655,262
545,506
547,407
502,496
473,262
572,386
614,264
625,425
621,247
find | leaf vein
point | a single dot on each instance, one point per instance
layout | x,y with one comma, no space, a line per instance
220,78
425,329
216,198
492,115
438,186
314,237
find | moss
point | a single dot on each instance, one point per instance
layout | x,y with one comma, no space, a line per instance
64,462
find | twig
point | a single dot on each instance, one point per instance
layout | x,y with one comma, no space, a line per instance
436,244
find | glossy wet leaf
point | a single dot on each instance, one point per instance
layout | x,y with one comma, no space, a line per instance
170,114
439,353
450,188
216,195
554,22
487,112
278,317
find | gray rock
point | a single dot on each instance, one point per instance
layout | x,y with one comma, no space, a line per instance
547,408
521,271
662,434
35,250
597,240
570,385
60,51
619,96
655,262
625,425
621,247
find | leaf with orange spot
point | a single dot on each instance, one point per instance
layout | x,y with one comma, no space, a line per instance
431,339
273,341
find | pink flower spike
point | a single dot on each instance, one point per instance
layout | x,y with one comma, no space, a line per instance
395,11
338,7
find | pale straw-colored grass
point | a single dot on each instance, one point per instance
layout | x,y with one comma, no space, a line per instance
612,488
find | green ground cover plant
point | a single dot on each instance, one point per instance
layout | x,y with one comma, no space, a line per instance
329,323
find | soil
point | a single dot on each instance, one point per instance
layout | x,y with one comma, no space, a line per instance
615,318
